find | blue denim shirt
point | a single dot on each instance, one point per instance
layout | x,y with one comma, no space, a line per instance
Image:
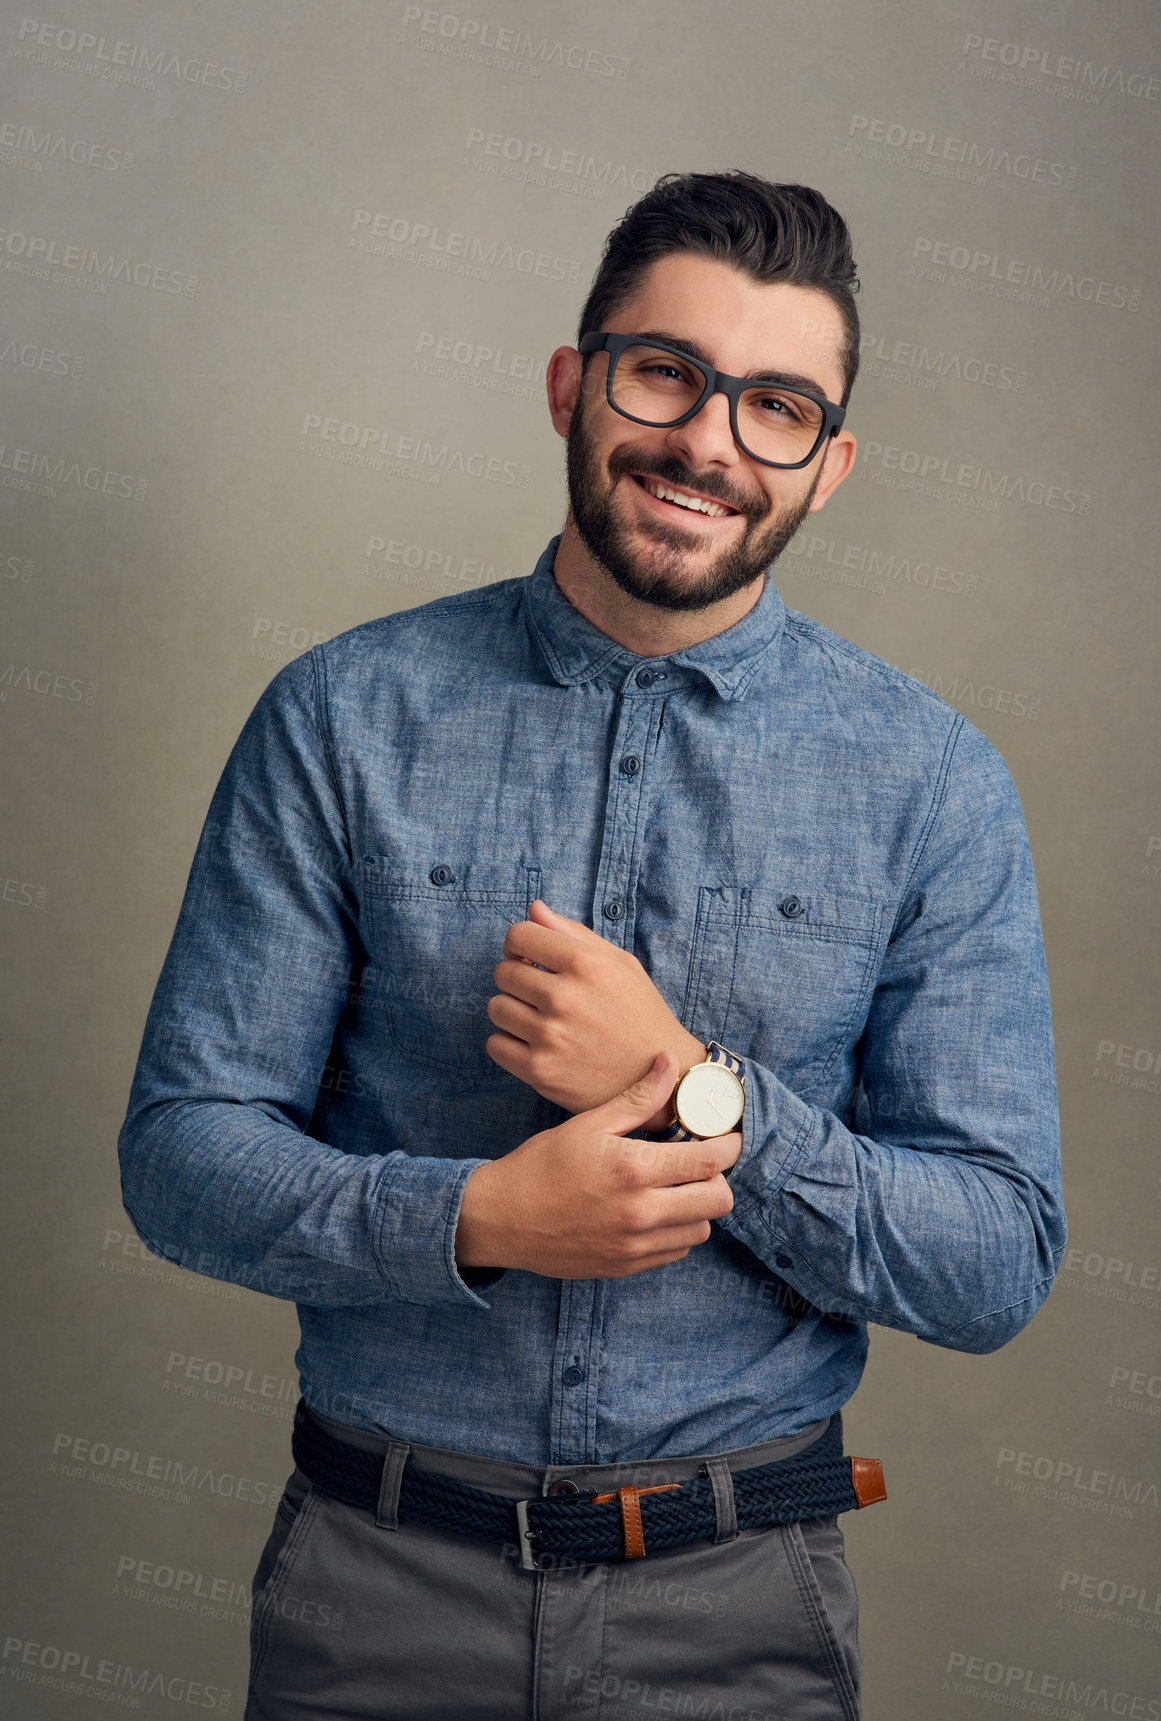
819,863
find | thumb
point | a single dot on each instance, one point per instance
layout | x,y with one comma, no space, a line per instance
636,1103
541,915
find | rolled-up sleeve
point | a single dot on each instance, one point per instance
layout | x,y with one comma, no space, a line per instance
935,1206
218,1171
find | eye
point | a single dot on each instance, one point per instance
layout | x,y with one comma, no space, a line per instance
659,371
777,406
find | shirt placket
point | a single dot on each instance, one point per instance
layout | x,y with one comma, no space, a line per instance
578,1333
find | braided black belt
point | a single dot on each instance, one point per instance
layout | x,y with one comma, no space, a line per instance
817,1483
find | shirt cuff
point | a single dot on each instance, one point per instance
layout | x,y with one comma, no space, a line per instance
416,1235
481,1277
776,1126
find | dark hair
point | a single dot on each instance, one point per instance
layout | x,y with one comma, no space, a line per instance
770,232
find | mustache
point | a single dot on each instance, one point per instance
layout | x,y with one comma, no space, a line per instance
623,462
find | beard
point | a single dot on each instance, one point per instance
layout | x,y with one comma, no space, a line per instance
657,572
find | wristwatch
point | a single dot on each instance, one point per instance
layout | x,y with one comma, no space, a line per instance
709,1099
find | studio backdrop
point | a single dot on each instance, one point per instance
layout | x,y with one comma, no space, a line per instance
278,282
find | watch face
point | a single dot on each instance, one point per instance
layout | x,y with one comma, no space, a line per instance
709,1100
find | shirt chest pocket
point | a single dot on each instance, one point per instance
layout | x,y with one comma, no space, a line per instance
783,975
434,937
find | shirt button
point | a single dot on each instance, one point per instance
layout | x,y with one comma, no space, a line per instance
572,1376
442,875
613,910
564,1486
645,678
790,907
630,764
781,1260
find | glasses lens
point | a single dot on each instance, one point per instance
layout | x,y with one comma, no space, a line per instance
655,386
658,387
777,424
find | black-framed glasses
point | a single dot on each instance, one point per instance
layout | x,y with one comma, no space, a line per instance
653,383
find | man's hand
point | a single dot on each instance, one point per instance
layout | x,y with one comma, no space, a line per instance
580,1018
582,1202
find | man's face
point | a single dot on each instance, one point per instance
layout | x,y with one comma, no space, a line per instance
658,550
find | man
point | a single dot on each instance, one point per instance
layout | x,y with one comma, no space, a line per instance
480,883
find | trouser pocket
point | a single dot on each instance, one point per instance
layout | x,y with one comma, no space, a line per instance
765,1625
816,1553
292,1520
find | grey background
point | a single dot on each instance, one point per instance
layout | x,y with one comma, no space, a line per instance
175,525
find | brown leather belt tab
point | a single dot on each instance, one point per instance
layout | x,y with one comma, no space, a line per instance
630,1499
630,1503
867,1481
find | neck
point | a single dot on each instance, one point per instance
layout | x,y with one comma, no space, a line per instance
646,629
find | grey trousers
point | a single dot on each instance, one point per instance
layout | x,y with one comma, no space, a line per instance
354,1620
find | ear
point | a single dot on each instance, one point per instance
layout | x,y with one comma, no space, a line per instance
563,381
837,461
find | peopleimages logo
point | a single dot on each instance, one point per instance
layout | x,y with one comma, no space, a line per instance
20,568
1074,1477
547,164
51,260
396,560
994,275
431,246
1003,1682
1142,1059
155,1268
120,61
233,1377
478,364
105,1680
1132,1604
366,444
1132,1066
1112,1270
1134,1389
38,147
923,367
133,1471
23,892
1028,63
282,636
1110,1278
930,152
881,565
177,1586
28,469
982,696
933,472
497,44
46,681
30,355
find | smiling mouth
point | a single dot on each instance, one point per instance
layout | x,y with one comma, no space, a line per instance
688,500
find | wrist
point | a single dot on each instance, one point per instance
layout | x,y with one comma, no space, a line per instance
688,1052
709,1098
478,1234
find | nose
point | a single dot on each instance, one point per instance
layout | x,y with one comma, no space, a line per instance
706,439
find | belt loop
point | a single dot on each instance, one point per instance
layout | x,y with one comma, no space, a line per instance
387,1512
725,1512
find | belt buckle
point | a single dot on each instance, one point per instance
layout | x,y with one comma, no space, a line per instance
527,1537
628,1498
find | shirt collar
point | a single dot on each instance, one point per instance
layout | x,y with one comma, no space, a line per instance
576,651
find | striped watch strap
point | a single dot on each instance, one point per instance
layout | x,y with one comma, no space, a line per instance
715,1054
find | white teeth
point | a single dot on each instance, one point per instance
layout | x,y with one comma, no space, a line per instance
665,494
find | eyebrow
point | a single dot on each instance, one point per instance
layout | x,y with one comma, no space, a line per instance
787,379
